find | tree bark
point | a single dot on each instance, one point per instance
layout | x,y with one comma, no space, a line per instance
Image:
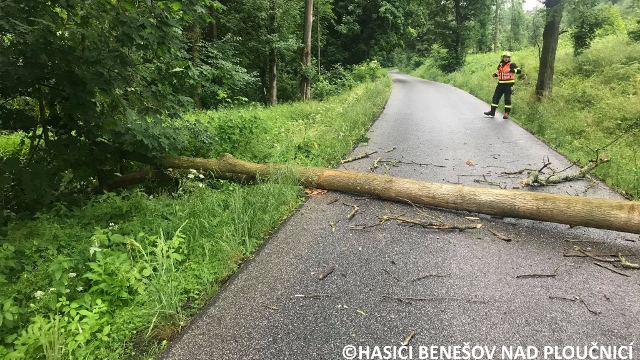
550,35
195,56
619,215
273,60
496,26
212,29
305,84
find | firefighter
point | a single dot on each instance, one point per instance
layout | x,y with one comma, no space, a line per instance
506,75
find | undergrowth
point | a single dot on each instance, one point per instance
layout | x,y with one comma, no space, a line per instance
119,277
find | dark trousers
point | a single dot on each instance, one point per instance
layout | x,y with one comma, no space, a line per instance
502,89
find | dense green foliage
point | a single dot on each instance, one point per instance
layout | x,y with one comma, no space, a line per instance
592,111
119,277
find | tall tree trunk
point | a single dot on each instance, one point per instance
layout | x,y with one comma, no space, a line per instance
619,215
195,56
318,28
496,26
273,55
273,77
459,35
305,84
212,29
550,35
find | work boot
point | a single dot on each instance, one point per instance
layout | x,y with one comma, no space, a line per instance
506,115
491,112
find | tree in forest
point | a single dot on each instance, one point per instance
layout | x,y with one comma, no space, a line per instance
535,27
453,21
516,25
78,73
267,35
305,86
550,37
365,30
497,5
585,19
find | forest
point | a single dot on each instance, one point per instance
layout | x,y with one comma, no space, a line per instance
106,255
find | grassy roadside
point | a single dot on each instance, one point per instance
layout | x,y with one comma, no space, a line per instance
594,107
119,277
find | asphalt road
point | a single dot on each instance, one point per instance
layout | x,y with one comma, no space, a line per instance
447,287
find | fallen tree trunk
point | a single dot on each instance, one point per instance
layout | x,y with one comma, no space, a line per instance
619,215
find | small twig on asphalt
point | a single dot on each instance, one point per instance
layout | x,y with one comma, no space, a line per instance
595,312
626,264
530,276
390,150
311,296
420,212
357,157
375,165
610,269
332,201
535,276
327,272
580,254
579,249
408,299
500,236
431,225
584,241
563,298
515,172
408,338
485,181
405,298
272,307
390,274
578,299
353,212
394,162
429,275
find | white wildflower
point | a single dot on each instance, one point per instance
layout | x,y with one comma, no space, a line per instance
193,171
38,294
190,176
71,275
79,288
201,176
52,289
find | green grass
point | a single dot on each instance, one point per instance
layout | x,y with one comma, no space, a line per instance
593,105
118,278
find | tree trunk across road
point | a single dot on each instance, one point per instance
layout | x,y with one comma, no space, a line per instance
393,281
608,214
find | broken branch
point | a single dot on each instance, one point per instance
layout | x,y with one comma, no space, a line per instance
365,155
500,236
579,249
536,178
626,264
610,269
353,212
429,275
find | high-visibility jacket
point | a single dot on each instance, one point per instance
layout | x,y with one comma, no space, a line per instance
507,72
